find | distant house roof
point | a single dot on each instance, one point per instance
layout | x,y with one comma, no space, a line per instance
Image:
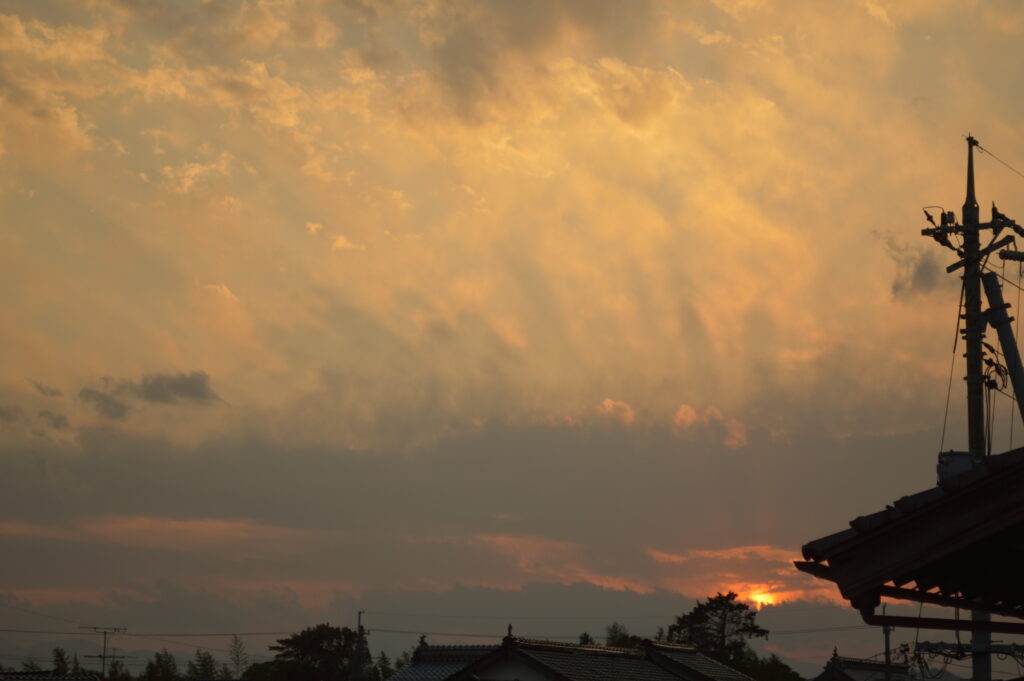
47,674
688,663
435,663
957,544
853,669
650,661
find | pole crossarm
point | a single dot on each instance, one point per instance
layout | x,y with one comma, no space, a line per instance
960,229
963,650
944,624
982,252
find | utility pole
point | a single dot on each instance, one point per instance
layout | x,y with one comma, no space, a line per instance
886,630
103,660
106,631
974,327
972,259
974,334
361,647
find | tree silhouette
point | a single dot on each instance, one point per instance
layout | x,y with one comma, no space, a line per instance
163,667
238,656
719,627
202,666
618,636
61,664
320,653
118,672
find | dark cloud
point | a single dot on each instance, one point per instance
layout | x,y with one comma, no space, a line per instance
111,401
9,413
54,420
918,271
920,274
104,403
173,388
473,55
608,491
46,390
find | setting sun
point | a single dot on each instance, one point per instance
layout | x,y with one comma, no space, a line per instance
760,596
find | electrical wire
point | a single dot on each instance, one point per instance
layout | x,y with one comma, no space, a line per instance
952,366
150,637
1016,334
617,618
8,606
1011,168
165,637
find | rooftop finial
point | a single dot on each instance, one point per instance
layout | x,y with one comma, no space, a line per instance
970,212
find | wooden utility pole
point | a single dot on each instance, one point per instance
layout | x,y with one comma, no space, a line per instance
974,327
974,334
886,630
106,631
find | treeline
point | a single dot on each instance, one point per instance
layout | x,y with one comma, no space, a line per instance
720,627
320,652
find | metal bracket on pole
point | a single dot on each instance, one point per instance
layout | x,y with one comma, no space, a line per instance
982,252
1000,321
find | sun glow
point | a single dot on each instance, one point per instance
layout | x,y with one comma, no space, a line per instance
762,598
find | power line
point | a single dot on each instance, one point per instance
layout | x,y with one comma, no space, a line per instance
604,618
162,637
506,618
820,630
40,614
151,637
1012,169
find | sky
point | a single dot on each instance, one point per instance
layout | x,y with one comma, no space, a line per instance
558,311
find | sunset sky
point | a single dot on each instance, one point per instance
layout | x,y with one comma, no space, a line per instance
540,308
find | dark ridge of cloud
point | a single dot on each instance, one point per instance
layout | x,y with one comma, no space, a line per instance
9,414
54,420
172,388
47,390
471,57
156,388
366,10
106,404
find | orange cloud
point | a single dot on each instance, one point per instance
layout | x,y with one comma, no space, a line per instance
760,574
23,529
205,534
343,243
558,560
730,431
616,409
197,534
105,596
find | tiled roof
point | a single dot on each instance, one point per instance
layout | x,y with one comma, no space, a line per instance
427,671
820,549
586,663
857,669
697,663
956,541
572,662
435,663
